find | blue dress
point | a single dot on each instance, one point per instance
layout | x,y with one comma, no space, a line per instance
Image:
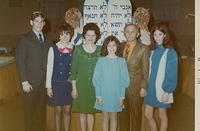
110,80
61,87
170,79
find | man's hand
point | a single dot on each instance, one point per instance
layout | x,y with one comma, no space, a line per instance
143,92
27,87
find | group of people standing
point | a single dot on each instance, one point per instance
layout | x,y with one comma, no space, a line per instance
88,79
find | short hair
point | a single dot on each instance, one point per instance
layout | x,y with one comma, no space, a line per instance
93,27
104,50
137,28
65,28
164,29
37,14
132,25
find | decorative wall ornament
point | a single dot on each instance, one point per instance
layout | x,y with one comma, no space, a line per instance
141,18
73,17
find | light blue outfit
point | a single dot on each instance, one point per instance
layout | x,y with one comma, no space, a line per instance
110,80
170,78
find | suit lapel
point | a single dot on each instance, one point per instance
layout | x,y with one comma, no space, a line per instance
34,37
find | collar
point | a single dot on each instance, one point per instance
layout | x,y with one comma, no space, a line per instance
133,43
60,45
160,46
37,34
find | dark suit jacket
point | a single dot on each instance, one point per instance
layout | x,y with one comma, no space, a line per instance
31,56
138,65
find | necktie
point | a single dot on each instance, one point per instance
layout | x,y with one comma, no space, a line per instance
40,38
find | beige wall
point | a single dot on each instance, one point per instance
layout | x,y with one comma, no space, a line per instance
182,28
15,20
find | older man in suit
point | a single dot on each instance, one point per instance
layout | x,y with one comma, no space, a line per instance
137,56
31,55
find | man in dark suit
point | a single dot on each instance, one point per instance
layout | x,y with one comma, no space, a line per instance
31,56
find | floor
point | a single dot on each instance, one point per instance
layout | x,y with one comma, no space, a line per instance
181,115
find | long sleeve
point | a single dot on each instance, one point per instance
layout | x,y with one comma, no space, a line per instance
75,65
50,63
21,57
97,78
170,80
124,78
145,68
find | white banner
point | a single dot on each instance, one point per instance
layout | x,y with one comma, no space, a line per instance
110,16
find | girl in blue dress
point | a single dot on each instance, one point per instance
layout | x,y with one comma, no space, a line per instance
110,80
162,77
58,71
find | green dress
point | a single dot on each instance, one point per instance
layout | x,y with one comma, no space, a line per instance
83,65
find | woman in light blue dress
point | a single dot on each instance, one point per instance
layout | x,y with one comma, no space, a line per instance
162,77
110,80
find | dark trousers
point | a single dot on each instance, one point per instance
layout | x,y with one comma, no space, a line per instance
35,109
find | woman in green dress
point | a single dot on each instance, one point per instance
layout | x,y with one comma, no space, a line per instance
83,63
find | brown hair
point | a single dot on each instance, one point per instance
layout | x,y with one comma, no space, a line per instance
36,14
104,51
93,27
162,28
65,28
